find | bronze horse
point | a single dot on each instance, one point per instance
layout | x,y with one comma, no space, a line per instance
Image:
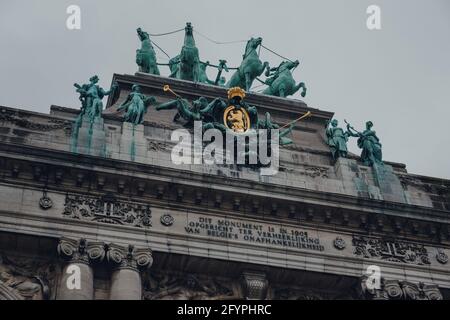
250,68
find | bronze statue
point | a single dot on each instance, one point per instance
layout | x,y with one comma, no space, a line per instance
337,139
135,106
146,56
369,143
91,96
281,83
250,68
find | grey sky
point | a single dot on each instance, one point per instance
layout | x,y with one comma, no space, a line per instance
398,77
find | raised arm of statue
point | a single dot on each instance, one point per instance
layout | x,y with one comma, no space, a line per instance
216,102
111,90
124,104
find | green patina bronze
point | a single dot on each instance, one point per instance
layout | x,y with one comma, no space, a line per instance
186,66
369,143
280,81
267,124
146,56
250,68
337,139
91,96
220,81
135,106
202,76
189,113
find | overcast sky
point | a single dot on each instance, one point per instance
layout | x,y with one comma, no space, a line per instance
398,77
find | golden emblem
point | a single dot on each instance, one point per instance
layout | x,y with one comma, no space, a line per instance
236,119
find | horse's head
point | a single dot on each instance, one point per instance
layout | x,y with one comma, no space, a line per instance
252,44
291,64
189,29
142,34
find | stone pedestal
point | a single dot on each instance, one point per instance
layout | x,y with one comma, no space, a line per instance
389,184
133,144
90,138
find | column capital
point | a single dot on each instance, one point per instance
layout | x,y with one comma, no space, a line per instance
255,285
81,251
401,290
129,257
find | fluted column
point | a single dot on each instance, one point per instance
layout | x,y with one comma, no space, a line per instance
128,262
79,254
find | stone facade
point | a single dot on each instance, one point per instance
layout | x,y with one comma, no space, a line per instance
110,201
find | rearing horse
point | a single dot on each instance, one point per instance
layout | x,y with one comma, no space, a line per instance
188,61
250,68
281,83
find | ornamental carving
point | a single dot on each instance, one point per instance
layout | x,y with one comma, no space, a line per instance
441,256
395,251
187,287
20,121
167,220
81,251
254,285
157,146
25,279
107,209
129,257
45,202
339,243
315,172
401,290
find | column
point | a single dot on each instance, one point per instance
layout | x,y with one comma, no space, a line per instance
129,262
78,254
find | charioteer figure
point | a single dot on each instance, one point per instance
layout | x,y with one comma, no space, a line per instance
369,143
281,82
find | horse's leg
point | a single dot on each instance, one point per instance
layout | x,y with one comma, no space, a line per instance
248,81
297,87
282,91
303,94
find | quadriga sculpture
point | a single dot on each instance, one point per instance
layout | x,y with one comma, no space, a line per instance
146,56
281,83
250,68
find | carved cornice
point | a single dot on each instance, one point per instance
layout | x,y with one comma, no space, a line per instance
129,257
81,251
342,212
21,120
